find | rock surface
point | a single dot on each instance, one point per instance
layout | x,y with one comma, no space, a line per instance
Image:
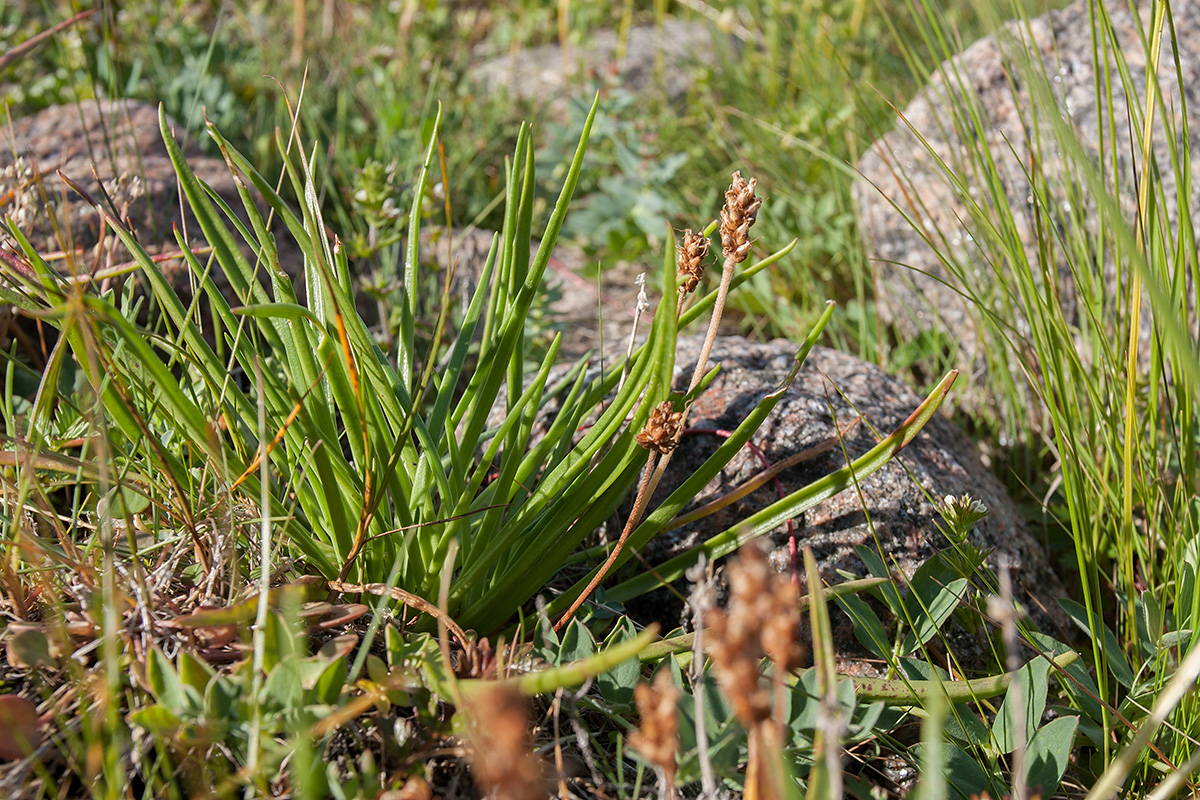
545,73
902,177
121,140
897,497
591,316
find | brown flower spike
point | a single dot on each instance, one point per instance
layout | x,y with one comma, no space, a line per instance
739,213
693,247
657,738
762,619
502,758
662,430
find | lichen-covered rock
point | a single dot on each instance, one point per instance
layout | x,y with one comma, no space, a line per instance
892,509
904,174
837,387
134,178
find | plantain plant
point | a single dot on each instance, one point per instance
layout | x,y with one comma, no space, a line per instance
378,464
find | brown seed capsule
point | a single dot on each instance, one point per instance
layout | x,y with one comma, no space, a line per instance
662,430
762,618
501,754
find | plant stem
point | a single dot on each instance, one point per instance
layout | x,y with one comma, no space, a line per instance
639,505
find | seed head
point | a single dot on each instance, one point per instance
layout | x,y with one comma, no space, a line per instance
762,618
502,758
693,247
739,213
735,657
658,736
662,430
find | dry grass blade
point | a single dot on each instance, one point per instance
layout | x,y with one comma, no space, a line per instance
16,53
407,598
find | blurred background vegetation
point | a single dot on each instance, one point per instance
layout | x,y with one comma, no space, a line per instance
810,85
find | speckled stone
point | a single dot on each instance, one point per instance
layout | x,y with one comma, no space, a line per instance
903,177
898,498
543,74
837,386
121,140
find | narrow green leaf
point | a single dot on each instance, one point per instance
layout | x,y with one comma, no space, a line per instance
777,513
405,355
887,591
292,311
929,613
1094,627
965,778
868,628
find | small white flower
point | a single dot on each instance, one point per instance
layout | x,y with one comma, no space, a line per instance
643,302
961,514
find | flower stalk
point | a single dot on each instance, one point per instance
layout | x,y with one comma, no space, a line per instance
665,425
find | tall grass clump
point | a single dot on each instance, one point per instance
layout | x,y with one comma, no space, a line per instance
1102,379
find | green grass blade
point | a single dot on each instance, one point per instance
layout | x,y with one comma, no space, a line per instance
777,513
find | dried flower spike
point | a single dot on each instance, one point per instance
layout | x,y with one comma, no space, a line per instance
735,656
762,618
657,738
739,213
780,640
693,247
662,430
502,758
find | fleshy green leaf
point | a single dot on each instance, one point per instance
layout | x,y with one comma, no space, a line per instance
616,685
164,682
157,720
